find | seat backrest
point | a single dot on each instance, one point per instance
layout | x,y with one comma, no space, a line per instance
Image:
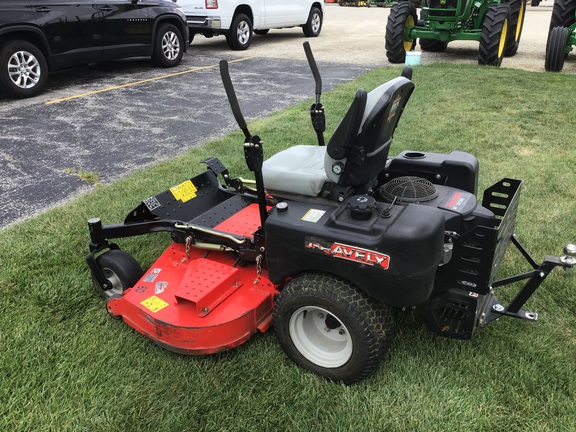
358,149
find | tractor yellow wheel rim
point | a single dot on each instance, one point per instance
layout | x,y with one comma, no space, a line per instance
503,36
520,20
409,23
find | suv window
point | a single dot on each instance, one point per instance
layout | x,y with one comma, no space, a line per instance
47,35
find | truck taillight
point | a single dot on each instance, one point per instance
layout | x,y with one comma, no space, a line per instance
211,4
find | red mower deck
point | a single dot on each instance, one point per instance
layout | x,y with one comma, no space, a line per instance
201,304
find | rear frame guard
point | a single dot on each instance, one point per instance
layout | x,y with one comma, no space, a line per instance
469,279
497,198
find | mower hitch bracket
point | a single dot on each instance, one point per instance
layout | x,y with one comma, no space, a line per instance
535,279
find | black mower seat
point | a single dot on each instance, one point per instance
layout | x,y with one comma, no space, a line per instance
356,152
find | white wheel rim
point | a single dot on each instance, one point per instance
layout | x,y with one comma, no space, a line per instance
113,278
323,346
24,69
170,45
243,32
316,23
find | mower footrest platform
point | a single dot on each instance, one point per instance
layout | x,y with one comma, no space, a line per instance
206,284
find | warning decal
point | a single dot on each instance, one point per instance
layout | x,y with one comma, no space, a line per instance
313,215
154,304
184,191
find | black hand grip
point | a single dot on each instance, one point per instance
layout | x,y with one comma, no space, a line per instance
407,72
314,68
225,75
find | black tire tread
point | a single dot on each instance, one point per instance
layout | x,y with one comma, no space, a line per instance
556,49
375,318
492,26
563,14
512,43
399,13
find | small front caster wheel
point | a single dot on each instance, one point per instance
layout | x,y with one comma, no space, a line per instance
120,270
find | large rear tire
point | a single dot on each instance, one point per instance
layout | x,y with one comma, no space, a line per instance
556,49
239,37
402,15
563,14
120,270
494,35
329,327
23,69
517,14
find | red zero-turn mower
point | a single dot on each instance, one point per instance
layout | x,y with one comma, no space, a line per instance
342,235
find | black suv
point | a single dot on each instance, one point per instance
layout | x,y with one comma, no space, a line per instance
39,36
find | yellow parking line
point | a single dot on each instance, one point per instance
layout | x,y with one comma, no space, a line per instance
141,82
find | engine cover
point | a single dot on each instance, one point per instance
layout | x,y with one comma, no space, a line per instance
460,208
392,255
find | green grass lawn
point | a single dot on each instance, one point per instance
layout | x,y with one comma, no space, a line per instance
65,365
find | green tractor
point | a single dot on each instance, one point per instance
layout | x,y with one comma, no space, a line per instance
562,34
496,25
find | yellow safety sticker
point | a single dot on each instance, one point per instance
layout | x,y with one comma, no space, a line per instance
154,303
184,191
313,215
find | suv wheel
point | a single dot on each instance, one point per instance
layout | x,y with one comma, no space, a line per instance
168,46
23,69
314,24
240,35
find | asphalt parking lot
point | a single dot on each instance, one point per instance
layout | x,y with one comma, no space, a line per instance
115,117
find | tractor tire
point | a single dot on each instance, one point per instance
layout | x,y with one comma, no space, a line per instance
239,36
556,49
120,269
402,15
313,26
494,35
168,46
329,327
433,45
563,14
517,15
23,69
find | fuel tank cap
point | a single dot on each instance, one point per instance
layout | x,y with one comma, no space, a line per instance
361,206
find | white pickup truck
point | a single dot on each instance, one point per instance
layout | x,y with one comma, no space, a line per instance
237,19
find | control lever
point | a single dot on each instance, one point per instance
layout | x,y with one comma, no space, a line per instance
316,110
